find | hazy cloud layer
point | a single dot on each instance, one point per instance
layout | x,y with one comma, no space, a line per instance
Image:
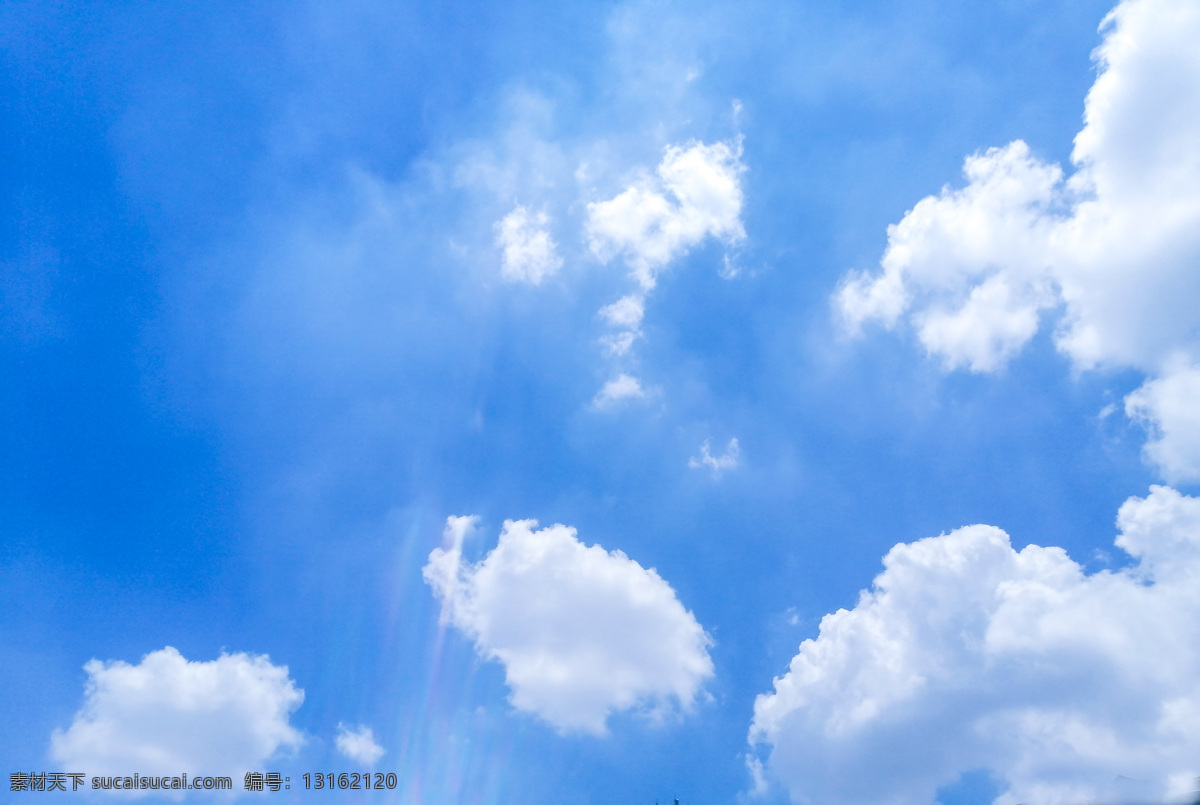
967,654
1110,254
581,631
166,715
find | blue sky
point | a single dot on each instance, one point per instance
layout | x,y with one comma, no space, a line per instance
749,296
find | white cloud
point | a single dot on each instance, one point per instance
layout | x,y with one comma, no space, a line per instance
529,254
758,776
359,744
626,312
696,193
166,716
622,387
582,632
1110,254
718,464
967,654
729,269
967,263
1170,408
619,343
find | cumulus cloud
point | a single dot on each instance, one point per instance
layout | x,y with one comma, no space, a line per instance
166,715
622,387
581,632
968,265
528,252
695,193
717,464
359,744
1109,255
968,654
1169,406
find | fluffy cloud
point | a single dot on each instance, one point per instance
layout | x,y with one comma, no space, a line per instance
166,715
717,464
359,745
968,265
1170,408
581,631
528,251
1111,254
967,654
1116,245
695,193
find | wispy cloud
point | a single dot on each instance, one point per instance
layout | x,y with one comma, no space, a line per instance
528,252
717,464
621,388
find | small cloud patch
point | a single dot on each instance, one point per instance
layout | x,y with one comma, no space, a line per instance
359,744
717,464
528,253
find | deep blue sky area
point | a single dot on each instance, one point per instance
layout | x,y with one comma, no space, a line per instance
256,347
